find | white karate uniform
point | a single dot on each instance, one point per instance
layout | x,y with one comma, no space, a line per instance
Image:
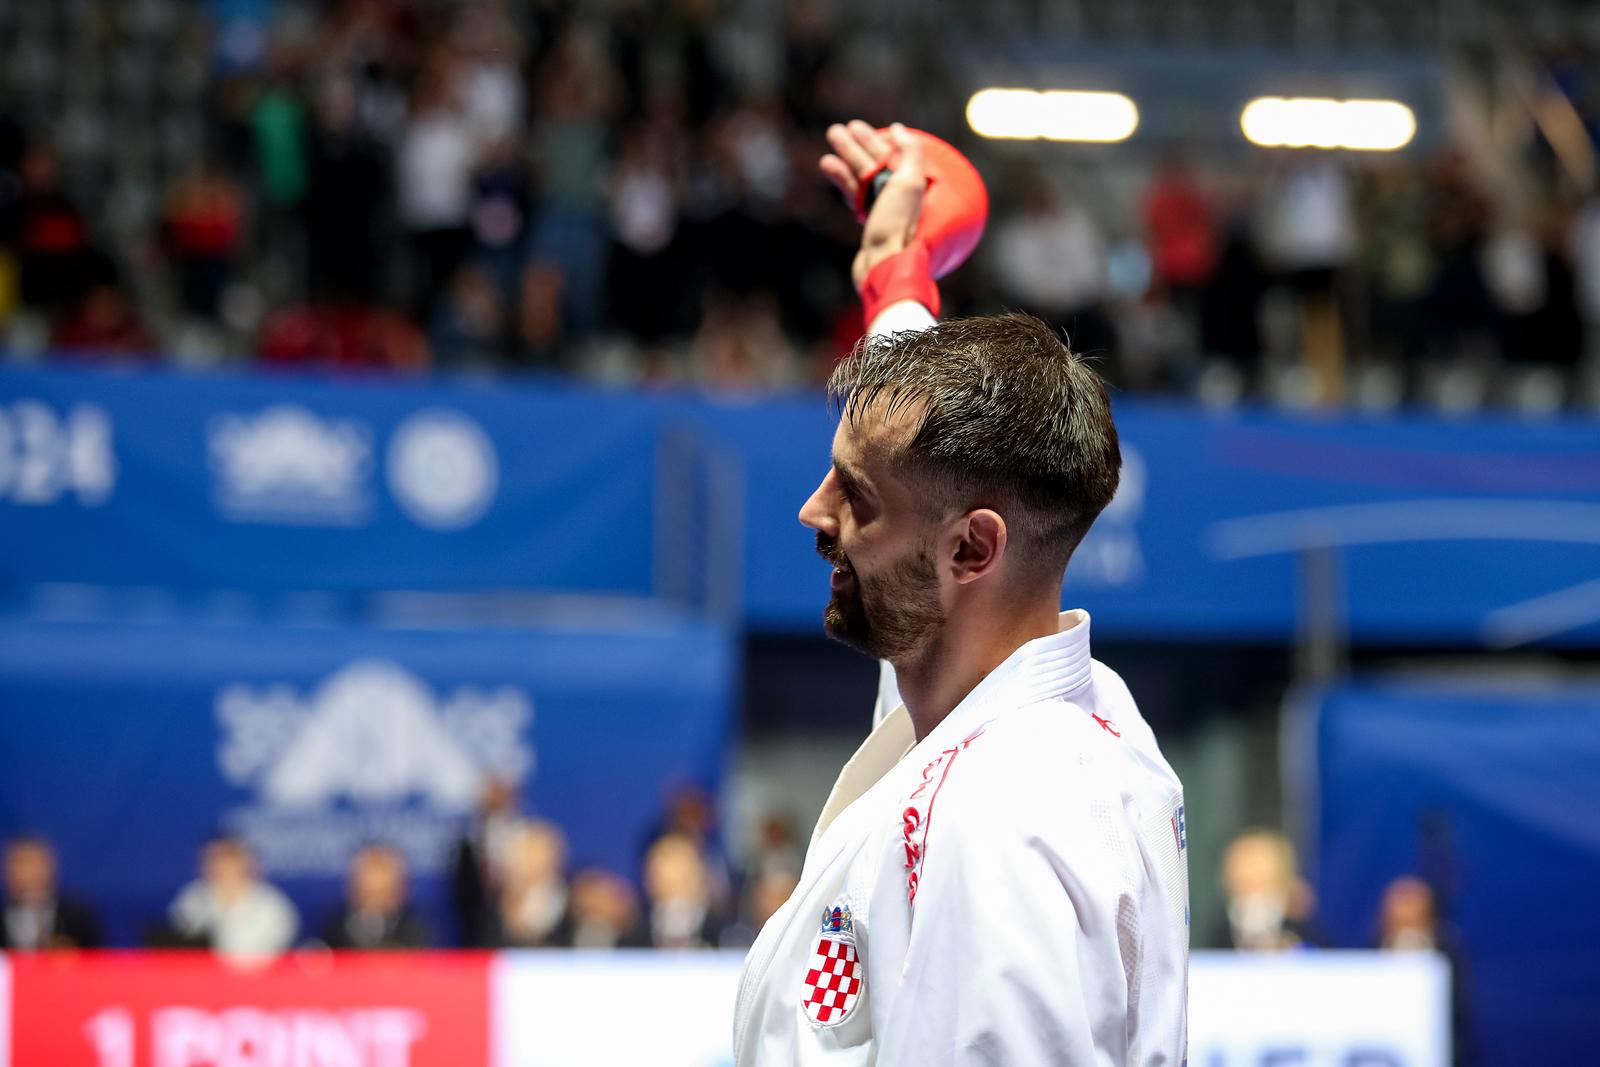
1012,890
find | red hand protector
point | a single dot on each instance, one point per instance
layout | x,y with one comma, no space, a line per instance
954,207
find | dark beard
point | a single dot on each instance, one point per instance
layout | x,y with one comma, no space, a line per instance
888,616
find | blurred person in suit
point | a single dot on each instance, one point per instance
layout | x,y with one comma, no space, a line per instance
679,912
1409,921
532,907
1268,904
36,915
479,859
604,912
376,913
764,894
230,909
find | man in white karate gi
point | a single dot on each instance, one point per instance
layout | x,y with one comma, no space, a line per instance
1000,874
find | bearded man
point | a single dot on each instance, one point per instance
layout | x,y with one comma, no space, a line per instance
999,875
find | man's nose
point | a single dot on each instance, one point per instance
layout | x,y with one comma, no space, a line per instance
816,513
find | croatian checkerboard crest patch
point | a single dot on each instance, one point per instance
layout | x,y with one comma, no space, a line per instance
834,976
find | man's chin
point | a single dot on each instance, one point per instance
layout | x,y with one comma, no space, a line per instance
844,628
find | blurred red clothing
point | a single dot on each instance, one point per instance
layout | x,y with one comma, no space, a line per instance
205,217
103,321
344,336
1181,231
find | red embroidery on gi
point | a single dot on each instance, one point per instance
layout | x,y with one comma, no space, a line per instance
912,819
1106,724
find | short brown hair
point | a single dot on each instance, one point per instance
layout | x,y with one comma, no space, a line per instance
1008,418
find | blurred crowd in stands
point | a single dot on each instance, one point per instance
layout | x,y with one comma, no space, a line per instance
493,186
511,886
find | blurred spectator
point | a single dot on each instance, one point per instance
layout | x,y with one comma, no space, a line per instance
604,912
1230,304
692,812
1050,259
230,908
741,346
344,335
480,857
1408,921
203,226
278,119
280,138
1584,246
1181,235
491,81
376,913
576,99
1398,264
500,210
103,321
36,915
348,203
1407,918
53,236
1459,323
433,175
469,327
777,847
1312,228
763,896
1268,904
533,900
645,272
677,887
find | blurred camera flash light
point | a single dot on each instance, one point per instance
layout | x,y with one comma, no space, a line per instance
1052,115
1314,122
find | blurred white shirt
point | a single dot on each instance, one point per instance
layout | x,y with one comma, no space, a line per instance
260,923
1051,262
434,171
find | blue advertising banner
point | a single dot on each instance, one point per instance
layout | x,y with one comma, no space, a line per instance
1480,532
284,483
1488,792
129,744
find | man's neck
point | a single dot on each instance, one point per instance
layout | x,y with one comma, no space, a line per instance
939,678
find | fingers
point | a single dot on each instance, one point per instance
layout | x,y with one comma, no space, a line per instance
892,223
839,173
861,147
897,219
909,148
870,140
848,148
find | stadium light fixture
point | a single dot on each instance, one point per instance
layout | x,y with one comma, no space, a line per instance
1052,115
1315,122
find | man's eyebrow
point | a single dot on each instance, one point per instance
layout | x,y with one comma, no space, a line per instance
851,477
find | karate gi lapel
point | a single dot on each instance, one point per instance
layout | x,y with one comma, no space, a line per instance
884,747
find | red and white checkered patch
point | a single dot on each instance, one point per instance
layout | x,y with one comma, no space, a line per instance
833,982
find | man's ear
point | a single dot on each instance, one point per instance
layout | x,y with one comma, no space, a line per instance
980,544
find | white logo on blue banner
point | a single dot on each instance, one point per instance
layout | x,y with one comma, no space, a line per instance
373,752
1111,555
48,455
442,469
287,464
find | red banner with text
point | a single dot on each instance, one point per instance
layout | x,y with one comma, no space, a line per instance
111,1009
